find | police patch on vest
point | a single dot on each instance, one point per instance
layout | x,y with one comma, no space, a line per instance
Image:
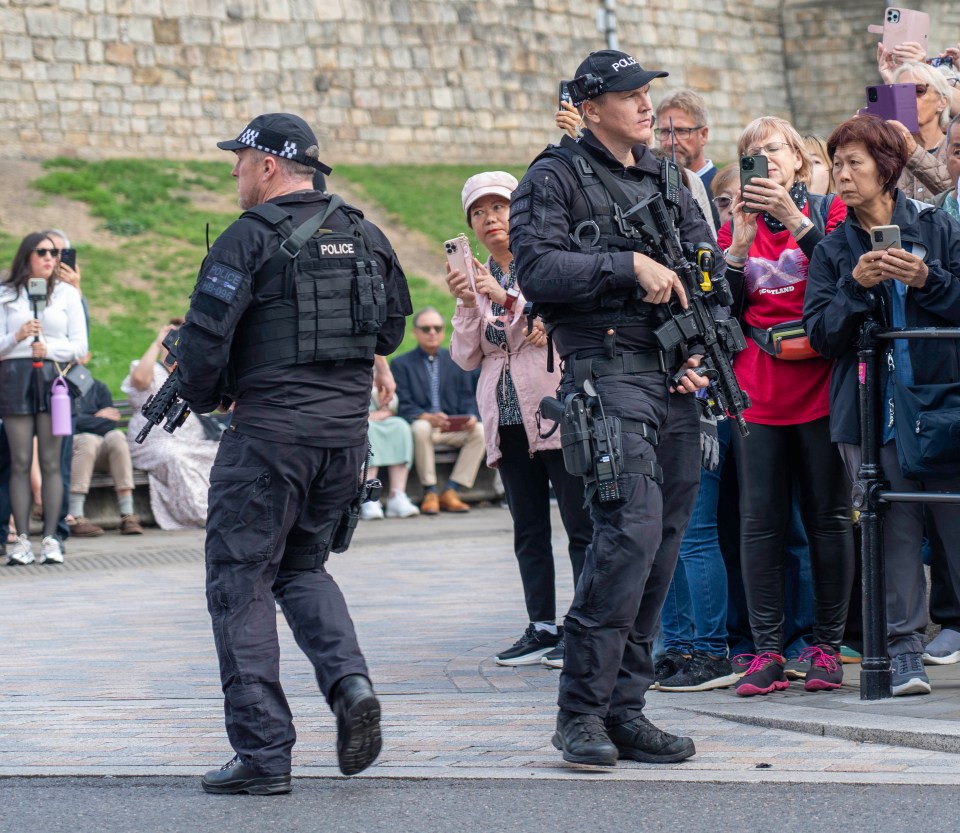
221,282
336,249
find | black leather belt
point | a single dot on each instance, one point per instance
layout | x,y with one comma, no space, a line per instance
623,363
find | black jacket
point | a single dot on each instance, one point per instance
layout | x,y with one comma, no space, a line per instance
97,398
547,206
835,305
323,405
458,387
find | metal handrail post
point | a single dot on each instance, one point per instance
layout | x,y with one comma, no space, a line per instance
875,670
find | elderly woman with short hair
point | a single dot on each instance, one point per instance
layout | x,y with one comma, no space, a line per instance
916,286
925,173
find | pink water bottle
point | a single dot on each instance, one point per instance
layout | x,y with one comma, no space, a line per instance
60,408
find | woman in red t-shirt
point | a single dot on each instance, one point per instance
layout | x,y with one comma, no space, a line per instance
768,250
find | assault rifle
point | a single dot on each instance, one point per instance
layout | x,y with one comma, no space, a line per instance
694,329
166,403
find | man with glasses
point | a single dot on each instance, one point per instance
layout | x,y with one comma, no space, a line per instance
439,400
682,130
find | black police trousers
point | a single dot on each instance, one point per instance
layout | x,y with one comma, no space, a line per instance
268,499
609,630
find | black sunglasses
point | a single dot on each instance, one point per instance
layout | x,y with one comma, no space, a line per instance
430,328
45,252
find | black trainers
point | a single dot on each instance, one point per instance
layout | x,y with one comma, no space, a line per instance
764,674
825,671
583,739
237,777
701,672
528,649
358,724
669,664
907,674
639,740
554,657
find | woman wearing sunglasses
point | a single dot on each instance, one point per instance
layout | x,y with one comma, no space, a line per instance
775,226
491,330
925,174
58,334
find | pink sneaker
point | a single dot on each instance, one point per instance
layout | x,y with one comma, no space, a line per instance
825,672
763,675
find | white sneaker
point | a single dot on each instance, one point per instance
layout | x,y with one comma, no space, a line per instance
400,506
21,552
371,511
50,552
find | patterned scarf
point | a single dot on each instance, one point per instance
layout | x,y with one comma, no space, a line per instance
798,193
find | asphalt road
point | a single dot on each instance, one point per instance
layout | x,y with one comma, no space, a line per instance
146,805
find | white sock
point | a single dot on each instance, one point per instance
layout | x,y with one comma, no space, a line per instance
549,627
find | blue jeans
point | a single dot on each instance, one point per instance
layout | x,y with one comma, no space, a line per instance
695,611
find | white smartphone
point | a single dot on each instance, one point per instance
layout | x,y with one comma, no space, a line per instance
460,257
902,25
37,293
885,237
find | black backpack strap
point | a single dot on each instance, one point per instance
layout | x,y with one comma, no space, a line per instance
601,172
290,247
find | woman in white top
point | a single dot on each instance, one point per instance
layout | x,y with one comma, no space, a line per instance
58,335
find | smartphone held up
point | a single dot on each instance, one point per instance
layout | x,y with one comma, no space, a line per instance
460,258
752,167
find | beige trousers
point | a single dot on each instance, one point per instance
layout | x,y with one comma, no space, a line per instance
472,452
92,452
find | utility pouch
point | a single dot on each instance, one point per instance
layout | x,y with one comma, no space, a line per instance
347,523
786,341
575,436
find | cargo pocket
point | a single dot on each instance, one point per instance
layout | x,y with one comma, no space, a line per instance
240,526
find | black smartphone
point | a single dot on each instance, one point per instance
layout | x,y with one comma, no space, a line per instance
69,257
752,167
564,95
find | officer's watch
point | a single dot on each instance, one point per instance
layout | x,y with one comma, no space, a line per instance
804,224
511,301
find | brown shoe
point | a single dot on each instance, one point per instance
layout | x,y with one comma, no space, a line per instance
130,525
430,505
82,528
450,502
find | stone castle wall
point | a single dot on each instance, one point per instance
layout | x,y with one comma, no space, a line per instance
405,80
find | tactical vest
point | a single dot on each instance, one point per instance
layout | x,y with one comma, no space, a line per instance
597,234
325,304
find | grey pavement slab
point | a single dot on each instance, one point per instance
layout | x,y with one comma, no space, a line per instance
109,669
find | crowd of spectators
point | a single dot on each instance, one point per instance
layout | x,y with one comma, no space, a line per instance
766,574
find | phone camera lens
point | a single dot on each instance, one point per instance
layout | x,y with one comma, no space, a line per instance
449,249
878,237
748,164
872,96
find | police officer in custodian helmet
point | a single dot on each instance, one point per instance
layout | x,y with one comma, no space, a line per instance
288,333
601,298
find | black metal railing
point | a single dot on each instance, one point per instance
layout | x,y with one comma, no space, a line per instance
871,494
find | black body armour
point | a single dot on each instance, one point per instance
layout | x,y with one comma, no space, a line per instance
601,232
326,303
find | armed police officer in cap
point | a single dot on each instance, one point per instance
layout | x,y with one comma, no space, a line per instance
602,298
291,304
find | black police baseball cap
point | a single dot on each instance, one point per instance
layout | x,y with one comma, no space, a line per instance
283,135
616,71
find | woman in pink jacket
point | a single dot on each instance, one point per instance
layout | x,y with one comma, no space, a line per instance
490,331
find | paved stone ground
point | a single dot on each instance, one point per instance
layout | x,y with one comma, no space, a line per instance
109,669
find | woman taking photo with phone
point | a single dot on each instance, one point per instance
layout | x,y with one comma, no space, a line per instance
775,226
31,346
917,285
492,331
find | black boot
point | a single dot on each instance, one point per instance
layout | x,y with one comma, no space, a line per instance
358,724
237,777
583,739
639,740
